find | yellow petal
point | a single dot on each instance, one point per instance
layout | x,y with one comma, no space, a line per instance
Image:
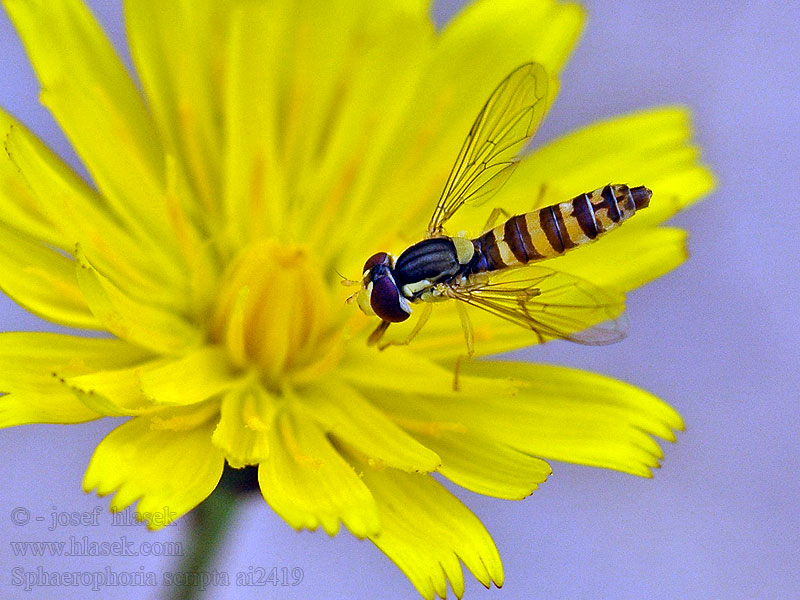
651,147
21,208
473,55
150,386
565,414
308,483
183,93
143,324
33,365
53,205
327,110
627,259
622,261
255,187
87,89
426,530
371,103
511,32
185,418
200,374
398,370
480,463
168,473
42,281
345,414
246,416
114,392
676,189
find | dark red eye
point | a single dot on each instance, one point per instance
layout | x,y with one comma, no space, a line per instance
381,258
385,300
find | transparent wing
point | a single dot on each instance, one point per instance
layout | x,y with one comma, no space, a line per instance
489,155
552,304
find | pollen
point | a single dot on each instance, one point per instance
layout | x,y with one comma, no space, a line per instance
273,313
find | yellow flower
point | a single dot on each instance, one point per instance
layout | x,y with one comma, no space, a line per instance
270,145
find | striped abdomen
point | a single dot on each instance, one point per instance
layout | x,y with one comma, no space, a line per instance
553,230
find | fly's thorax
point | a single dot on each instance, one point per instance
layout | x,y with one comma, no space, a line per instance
427,263
465,249
435,293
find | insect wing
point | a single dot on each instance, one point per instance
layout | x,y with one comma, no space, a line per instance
552,304
489,155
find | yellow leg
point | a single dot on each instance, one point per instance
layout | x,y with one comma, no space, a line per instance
424,315
497,211
493,216
540,198
376,335
469,337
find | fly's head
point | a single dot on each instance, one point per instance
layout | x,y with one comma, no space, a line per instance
379,294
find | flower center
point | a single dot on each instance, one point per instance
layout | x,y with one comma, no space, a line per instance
273,313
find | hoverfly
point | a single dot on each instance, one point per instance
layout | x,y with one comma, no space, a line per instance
493,272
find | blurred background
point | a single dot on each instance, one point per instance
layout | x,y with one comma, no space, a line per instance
716,338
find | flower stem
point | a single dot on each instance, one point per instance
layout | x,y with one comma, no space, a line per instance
208,523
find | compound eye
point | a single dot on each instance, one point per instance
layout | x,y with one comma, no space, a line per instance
381,258
386,301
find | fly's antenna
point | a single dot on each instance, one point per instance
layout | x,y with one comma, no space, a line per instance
348,283
345,281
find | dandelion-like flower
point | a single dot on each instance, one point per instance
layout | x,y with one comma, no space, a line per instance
268,146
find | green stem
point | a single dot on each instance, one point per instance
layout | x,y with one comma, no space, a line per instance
208,523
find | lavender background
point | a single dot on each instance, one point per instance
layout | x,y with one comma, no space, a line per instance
717,339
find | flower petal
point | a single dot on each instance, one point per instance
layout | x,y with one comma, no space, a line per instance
308,483
42,281
150,386
345,414
168,473
426,530
21,208
487,31
87,89
143,324
627,259
33,363
327,108
183,92
246,416
624,260
561,414
650,147
45,199
114,392
400,371
474,53
203,373
480,463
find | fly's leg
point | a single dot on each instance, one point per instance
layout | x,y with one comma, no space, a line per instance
466,324
540,198
493,216
469,337
424,315
497,211
376,335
